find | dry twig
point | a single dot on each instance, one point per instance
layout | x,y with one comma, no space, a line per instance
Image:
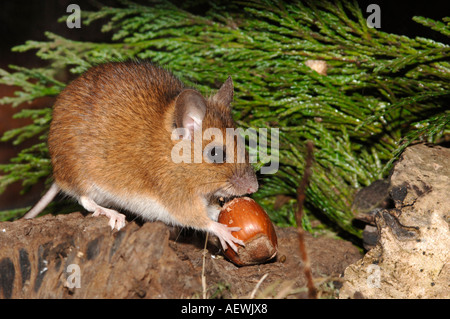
301,194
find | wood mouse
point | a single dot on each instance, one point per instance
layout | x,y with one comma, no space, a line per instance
111,146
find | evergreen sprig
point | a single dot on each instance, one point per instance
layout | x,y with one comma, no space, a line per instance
381,92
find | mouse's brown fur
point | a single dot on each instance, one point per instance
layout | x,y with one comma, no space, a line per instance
110,143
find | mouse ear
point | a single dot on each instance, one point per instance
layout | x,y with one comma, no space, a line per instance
190,109
225,93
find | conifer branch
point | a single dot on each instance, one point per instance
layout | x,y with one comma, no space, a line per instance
380,91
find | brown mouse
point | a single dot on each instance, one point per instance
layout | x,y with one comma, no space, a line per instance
111,144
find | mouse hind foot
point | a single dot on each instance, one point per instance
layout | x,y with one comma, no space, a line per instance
116,219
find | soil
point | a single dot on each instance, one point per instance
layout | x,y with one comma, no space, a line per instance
78,256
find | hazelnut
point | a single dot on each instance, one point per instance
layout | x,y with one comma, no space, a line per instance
257,231
319,66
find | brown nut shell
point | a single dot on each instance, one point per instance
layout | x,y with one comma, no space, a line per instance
257,231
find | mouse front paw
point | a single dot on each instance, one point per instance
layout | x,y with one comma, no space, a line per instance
223,232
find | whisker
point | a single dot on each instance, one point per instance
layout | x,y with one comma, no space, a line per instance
209,182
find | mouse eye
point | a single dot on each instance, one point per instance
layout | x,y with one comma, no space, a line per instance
214,154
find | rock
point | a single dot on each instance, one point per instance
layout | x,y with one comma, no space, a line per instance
370,199
77,256
366,203
411,259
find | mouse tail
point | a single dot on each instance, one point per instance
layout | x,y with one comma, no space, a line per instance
43,202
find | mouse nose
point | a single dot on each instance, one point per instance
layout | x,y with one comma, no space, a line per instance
252,189
244,182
